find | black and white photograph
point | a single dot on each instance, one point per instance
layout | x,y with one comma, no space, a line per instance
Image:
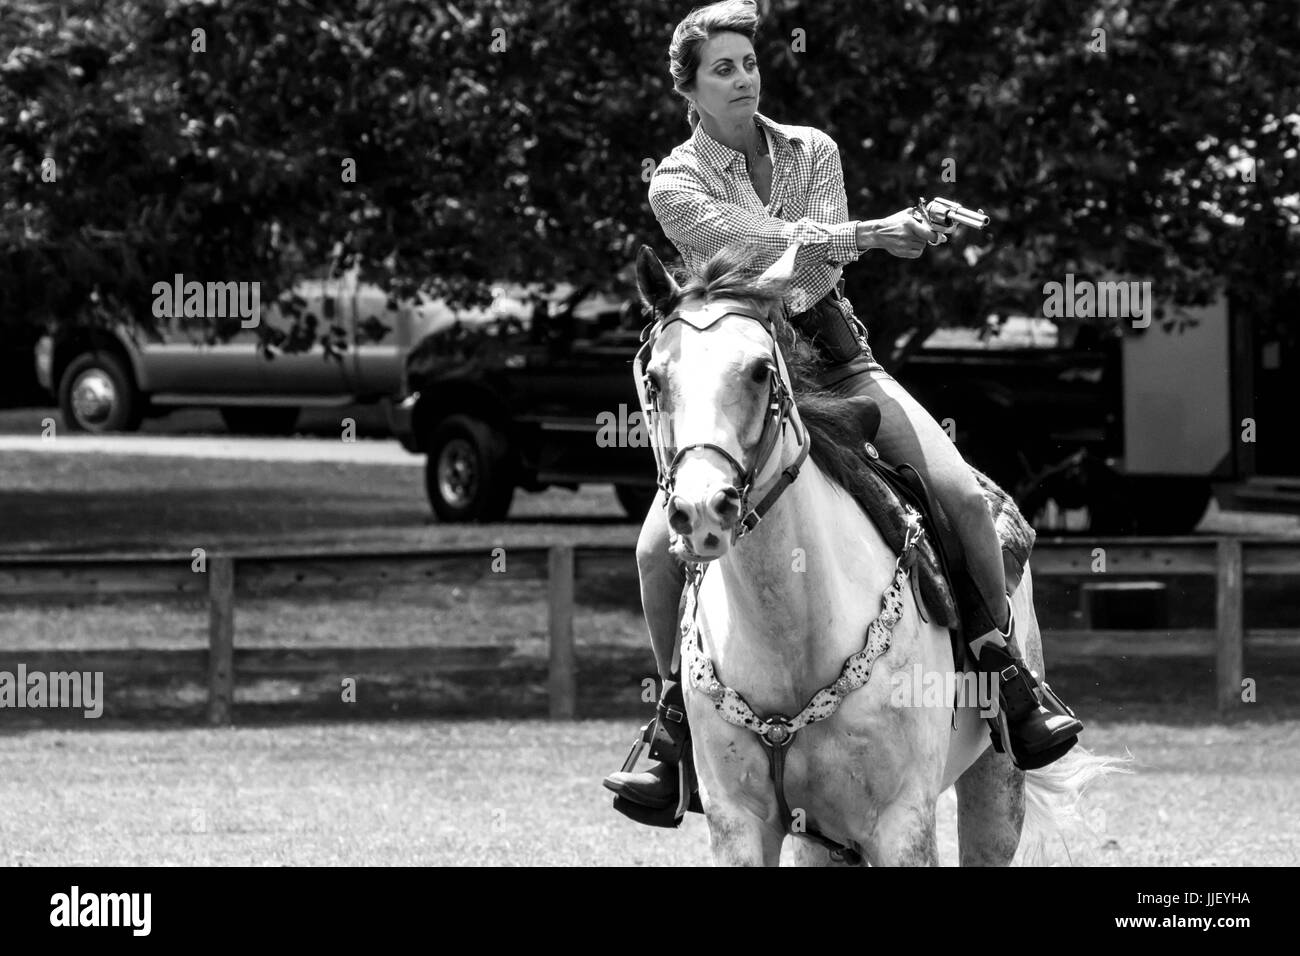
637,433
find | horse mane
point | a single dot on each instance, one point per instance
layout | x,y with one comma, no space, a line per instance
834,422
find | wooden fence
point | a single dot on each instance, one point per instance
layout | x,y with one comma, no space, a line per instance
567,571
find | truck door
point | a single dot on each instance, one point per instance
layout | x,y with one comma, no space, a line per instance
380,332
187,357
588,409
300,366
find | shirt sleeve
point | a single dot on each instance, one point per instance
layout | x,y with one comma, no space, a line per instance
828,203
694,218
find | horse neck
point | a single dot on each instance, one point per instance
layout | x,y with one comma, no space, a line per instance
785,626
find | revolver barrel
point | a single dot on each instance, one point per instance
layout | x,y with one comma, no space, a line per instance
945,212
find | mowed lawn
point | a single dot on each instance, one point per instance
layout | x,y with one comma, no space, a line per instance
528,793
485,792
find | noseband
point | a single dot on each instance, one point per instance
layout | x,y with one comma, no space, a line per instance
780,403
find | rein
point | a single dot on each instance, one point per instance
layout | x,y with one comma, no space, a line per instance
776,731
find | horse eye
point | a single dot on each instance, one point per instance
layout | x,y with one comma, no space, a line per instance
761,373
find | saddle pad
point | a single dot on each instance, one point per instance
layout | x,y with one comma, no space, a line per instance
884,507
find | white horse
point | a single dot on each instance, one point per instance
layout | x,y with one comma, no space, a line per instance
782,607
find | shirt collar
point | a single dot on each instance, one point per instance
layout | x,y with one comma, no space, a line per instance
720,156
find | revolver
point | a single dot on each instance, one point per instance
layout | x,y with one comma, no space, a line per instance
944,214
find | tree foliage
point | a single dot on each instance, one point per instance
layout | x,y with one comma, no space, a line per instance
514,139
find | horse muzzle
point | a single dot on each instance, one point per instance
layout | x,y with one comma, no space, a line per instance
703,527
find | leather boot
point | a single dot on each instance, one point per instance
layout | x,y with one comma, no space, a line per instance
1033,725
654,796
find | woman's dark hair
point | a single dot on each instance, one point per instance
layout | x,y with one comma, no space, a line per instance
735,16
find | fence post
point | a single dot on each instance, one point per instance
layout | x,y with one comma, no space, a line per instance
221,638
1230,605
562,682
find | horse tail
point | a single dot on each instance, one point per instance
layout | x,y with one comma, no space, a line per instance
1056,814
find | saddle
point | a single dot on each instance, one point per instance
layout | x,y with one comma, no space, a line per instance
940,580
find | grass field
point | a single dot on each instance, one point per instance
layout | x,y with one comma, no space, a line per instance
319,786
528,793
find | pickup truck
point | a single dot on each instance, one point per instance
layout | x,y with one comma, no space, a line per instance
108,378
529,402
507,405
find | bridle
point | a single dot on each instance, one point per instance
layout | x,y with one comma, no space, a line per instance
780,413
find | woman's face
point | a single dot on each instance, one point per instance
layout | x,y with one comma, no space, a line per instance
727,81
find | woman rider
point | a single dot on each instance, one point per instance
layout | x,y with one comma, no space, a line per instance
741,177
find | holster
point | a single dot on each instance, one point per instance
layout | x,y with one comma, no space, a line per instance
832,327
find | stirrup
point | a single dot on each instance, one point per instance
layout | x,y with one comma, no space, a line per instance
1005,742
668,737
670,817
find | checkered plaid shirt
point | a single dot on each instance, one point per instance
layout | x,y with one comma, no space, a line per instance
704,200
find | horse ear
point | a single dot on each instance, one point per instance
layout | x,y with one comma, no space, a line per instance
653,282
779,273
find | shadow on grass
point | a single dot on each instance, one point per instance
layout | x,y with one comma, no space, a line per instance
92,522
1175,692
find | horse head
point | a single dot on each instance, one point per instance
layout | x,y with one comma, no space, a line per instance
716,392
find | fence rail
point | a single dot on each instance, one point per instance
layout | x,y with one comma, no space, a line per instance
1229,561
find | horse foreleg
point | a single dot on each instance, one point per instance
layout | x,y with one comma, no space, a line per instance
904,835
990,810
739,838
806,852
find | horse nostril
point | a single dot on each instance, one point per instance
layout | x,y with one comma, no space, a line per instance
726,504
679,518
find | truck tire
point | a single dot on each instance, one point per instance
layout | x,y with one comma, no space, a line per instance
97,394
259,420
635,499
469,474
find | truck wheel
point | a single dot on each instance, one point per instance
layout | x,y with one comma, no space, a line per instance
97,394
635,499
252,420
468,475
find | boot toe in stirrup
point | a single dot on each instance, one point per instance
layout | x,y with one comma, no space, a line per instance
1054,751
1038,740
654,789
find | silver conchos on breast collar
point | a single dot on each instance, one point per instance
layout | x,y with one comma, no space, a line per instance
780,403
